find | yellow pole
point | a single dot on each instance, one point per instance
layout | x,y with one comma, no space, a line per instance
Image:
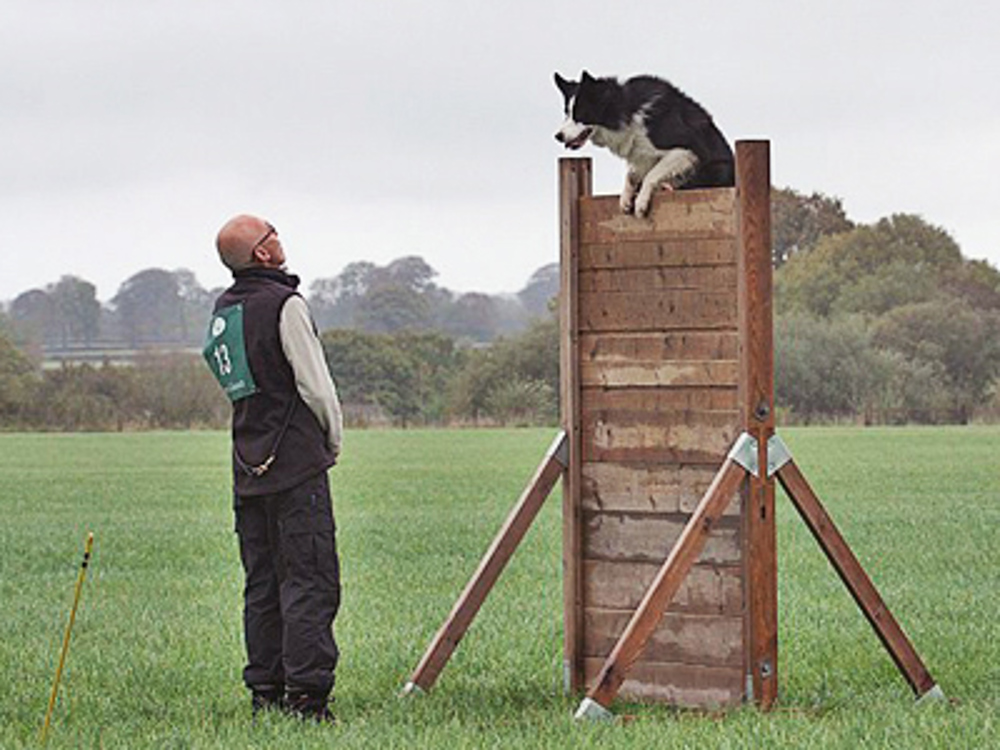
69,630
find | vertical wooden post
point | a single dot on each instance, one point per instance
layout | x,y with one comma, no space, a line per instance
753,206
575,182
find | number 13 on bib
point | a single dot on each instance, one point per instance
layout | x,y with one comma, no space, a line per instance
225,352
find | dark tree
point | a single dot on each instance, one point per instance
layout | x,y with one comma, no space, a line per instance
798,221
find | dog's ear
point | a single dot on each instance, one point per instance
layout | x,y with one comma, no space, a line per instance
585,76
564,85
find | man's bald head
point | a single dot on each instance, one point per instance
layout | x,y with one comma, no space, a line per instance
236,239
245,240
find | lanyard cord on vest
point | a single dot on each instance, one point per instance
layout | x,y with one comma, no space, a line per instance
261,469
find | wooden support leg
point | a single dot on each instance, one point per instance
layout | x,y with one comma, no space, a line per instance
672,573
756,389
492,564
856,580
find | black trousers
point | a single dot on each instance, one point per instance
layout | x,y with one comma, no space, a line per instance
289,552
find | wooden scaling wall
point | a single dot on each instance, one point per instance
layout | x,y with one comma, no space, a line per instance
655,393
668,457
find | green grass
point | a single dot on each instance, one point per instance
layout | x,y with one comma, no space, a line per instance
157,651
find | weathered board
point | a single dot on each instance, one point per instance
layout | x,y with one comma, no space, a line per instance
650,322
709,589
645,487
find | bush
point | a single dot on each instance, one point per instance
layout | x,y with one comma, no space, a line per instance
80,398
175,391
160,391
525,364
17,381
403,375
960,343
522,403
826,369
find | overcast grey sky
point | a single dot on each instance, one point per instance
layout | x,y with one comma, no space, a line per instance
370,130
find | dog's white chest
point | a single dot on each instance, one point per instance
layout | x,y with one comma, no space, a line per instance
631,143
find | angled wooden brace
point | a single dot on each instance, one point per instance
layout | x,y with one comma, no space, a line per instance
741,462
492,564
807,503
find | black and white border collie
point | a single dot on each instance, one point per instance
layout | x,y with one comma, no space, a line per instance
666,137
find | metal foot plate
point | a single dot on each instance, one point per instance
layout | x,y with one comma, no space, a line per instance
591,710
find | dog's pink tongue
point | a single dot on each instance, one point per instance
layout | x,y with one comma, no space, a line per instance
579,140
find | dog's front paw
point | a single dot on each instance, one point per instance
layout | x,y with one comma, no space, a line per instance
627,199
642,203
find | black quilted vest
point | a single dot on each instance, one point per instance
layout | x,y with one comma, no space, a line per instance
274,421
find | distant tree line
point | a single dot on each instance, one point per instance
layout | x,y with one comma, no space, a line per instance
157,308
408,377
167,391
404,378
397,342
879,323
402,297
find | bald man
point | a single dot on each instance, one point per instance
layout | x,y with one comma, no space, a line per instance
263,348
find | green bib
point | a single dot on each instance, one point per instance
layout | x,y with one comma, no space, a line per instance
226,354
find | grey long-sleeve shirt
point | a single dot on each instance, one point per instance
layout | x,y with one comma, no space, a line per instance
312,378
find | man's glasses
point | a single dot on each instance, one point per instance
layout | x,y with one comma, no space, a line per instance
271,232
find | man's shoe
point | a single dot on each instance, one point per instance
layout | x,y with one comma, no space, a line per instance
310,707
267,698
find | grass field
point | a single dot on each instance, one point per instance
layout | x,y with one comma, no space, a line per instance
156,655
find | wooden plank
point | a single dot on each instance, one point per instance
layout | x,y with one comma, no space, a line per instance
707,589
658,254
704,438
689,639
677,684
681,357
663,400
491,566
671,309
865,594
654,488
638,373
649,538
706,278
673,215
575,182
753,188
668,580
670,345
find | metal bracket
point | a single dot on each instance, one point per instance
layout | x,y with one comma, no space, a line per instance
934,695
559,450
777,455
412,688
744,453
591,710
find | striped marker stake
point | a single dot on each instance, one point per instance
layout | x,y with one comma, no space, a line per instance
69,629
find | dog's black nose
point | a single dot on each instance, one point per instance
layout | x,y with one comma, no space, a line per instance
560,137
